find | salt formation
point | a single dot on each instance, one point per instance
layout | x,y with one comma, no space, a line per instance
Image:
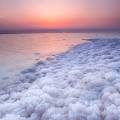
81,84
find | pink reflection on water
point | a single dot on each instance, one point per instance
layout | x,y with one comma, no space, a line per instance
19,51
45,44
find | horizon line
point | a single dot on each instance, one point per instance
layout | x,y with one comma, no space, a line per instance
74,30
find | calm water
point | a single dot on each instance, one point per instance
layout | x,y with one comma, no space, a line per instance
18,51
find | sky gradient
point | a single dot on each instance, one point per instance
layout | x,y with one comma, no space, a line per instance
52,14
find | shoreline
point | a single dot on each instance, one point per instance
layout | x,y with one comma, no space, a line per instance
83,83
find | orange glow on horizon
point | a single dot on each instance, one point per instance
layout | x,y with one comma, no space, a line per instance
64,22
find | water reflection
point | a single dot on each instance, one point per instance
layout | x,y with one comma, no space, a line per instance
21,50
46,44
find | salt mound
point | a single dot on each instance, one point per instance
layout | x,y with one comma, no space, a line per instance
81,84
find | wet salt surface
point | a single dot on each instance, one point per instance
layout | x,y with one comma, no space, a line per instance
80,84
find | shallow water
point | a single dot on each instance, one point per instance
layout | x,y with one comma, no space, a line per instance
18,51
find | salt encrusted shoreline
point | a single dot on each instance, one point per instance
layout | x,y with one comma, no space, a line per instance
81,84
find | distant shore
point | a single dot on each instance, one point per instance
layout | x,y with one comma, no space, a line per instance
26,31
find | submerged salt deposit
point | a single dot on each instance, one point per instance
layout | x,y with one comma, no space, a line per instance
81,84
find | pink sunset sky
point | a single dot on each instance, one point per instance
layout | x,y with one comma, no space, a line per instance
52,14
